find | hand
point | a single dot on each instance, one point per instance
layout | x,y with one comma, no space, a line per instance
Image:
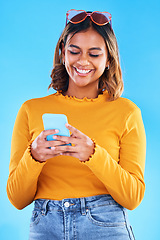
40,146
82,146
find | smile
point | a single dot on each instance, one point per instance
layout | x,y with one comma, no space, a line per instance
82,71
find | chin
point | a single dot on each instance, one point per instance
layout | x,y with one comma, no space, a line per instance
81,84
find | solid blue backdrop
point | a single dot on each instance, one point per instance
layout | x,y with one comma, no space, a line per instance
29,31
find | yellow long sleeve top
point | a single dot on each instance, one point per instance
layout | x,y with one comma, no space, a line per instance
115,168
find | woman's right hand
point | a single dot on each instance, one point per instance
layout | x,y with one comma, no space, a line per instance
41,149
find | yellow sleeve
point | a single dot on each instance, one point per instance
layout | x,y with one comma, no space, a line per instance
124,180
23,170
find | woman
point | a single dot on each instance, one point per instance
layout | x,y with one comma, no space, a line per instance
82,190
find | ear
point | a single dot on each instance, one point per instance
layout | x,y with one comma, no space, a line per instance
107,63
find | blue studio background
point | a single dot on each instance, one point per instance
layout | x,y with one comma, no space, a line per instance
29,31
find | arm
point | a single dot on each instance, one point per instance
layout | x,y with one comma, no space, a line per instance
124,180
23,170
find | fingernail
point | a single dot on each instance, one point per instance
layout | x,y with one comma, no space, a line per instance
56,130
54,136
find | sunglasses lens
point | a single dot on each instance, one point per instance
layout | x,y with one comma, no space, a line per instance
76,16
101,18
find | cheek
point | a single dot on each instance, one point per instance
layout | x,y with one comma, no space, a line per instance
69,58
69,69
100,63
101,66
69,63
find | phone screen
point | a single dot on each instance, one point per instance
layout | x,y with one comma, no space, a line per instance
55,121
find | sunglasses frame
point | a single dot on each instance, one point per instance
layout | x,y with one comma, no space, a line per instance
90,15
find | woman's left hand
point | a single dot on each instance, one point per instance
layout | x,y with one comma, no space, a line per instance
82,146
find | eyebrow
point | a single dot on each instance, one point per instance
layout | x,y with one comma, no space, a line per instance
94,48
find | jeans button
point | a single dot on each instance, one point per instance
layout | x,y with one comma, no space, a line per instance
66,204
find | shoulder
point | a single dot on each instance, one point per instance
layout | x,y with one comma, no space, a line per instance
126,105
38,102
123,109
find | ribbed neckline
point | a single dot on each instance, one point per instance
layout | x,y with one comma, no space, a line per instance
85,99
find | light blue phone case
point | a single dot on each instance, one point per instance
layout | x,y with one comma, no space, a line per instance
55,121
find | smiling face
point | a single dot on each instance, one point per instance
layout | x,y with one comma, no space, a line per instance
85,56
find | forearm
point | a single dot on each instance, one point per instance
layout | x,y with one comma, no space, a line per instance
22,181
127,188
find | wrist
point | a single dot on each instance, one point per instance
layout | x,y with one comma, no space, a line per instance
32,154
93,151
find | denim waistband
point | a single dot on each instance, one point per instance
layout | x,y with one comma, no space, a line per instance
74,204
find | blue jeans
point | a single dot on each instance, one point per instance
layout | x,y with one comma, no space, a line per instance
90,218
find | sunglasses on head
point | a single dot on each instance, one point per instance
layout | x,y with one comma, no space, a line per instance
99,18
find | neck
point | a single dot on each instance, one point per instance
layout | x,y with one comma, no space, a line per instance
81,92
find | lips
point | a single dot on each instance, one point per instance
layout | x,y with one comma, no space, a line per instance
82,71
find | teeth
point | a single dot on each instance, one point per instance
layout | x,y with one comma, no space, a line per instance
82,71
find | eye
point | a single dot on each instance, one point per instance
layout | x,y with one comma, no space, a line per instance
93,55
74,53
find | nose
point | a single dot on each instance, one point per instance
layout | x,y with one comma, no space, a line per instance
83,60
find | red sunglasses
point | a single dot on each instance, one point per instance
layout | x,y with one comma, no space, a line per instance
99,18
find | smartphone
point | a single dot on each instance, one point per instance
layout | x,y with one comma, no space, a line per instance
55,121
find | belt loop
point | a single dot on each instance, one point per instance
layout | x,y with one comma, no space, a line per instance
44,207
83,206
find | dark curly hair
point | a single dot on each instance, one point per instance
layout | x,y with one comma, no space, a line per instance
111,79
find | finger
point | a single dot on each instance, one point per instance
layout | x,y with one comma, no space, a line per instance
72,135
53,143
45,133
64,148
75,131
49,153
67,140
